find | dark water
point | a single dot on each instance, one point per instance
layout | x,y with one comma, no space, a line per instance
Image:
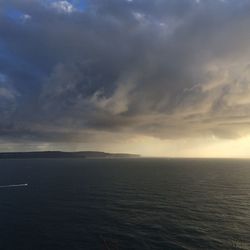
125,204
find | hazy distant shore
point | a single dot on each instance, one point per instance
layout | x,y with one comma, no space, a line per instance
61,154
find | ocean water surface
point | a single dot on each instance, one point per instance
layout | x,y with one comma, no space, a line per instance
124,204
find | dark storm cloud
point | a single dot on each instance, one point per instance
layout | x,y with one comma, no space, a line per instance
169,69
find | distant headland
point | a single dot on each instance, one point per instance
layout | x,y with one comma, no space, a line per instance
62,154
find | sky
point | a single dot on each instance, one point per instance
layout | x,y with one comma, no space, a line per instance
167,78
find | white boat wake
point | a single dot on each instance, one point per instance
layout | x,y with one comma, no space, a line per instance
14,185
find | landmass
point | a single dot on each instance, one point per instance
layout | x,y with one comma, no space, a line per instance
62,154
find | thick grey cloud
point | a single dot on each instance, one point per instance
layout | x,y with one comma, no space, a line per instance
168,69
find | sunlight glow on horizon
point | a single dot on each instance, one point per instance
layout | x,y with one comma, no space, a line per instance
152,147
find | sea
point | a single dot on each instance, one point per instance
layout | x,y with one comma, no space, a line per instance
142,203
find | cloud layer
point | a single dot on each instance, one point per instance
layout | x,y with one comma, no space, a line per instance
72,71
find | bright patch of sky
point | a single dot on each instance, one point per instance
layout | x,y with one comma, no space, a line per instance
26,17
17,15
66,6
63,6
80,5
138,16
